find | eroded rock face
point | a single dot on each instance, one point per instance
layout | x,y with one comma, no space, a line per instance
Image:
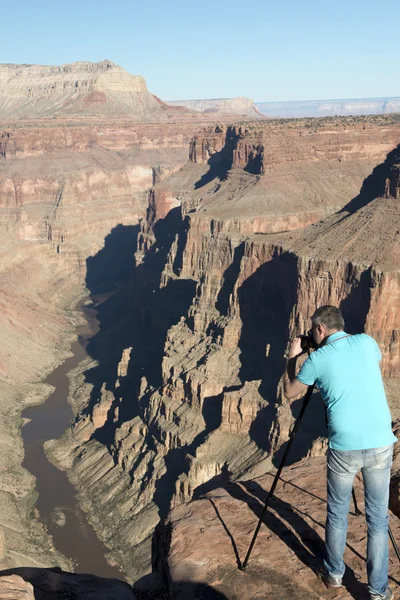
257,147
270,178
40,137
161,202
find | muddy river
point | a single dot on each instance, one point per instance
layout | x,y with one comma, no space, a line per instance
57,504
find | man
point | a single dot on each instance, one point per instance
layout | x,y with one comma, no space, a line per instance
346,370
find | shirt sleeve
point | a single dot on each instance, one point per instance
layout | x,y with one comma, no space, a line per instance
307,373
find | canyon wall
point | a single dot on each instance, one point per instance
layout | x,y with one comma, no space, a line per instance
47,137
71,184
264,145
68,192
81,145
191,397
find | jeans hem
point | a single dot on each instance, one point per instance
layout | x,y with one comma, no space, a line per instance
335,575
372,591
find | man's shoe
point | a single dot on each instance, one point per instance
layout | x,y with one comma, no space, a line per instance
388,595
330,581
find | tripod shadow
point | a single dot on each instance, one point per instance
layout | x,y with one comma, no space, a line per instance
308,549
266,301
290,528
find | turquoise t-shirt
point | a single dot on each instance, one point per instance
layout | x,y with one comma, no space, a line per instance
347,372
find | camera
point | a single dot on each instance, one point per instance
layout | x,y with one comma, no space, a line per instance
307,342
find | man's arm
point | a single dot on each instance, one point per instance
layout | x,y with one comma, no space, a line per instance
292,387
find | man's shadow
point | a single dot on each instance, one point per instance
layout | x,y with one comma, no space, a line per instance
300,537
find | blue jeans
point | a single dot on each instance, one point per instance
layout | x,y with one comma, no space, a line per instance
375,466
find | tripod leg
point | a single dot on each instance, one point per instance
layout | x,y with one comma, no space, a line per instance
395,546
356,509
291,439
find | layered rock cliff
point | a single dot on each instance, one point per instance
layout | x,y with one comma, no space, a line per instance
81,88
191,397
67,191
72,184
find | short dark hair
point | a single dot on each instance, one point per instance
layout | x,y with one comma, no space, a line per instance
329,316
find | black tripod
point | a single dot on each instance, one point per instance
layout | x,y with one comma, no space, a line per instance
307,398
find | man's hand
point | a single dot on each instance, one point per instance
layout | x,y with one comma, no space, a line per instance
292,387
295,348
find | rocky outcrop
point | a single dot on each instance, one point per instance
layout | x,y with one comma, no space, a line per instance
269,178
160,204
392,184
206,541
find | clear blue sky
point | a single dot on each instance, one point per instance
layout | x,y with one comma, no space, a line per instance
281,50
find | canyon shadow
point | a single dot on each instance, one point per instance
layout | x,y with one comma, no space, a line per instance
133,322
266,301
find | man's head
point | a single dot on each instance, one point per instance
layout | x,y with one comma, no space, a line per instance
325,321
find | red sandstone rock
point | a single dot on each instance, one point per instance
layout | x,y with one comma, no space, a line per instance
205,540
260,146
